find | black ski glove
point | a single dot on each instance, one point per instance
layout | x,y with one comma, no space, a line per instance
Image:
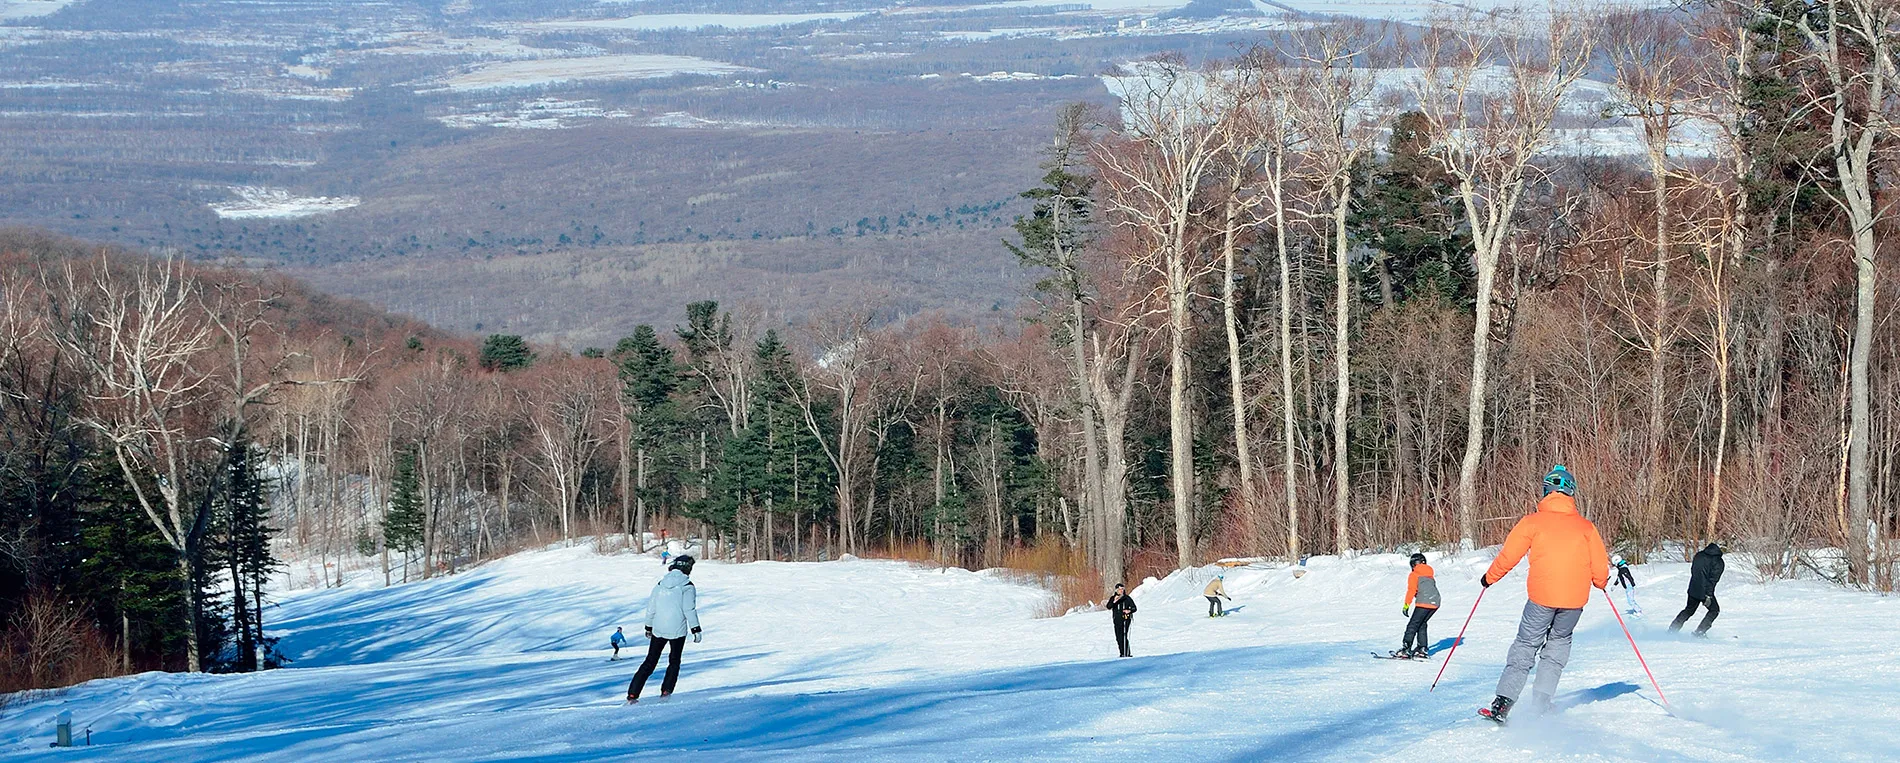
695,635
649,631
1484,580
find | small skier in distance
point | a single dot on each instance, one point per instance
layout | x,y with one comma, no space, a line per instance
1704,573
1421,602
1121,612
1567,558
619,639
1214,592
1627,581
672,614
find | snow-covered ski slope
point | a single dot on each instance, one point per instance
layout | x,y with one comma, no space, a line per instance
876,660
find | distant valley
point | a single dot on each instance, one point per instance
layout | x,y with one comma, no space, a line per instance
567,169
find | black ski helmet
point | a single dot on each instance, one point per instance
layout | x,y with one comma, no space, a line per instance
1418,559
683,563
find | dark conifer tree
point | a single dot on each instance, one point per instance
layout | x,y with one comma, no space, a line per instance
506,352
649,378
403,522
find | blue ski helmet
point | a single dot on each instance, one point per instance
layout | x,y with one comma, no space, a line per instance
1560,481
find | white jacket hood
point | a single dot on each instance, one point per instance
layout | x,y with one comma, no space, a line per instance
673,608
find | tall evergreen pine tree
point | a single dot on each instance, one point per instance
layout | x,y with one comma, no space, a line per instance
403,522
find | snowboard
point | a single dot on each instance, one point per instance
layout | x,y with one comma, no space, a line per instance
1394,656
1229,611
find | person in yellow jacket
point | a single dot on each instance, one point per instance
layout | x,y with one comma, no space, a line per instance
1214,592
1567,558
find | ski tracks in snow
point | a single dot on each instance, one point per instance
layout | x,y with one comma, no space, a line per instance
890,661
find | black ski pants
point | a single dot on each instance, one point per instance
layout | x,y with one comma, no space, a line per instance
652,661
1121,633
1689,611
1213,607
1415,627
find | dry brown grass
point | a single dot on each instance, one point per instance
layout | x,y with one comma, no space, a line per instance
49,643
1059,567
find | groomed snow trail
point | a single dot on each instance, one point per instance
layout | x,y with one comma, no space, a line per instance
886,661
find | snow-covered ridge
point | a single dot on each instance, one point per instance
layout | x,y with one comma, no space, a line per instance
26,9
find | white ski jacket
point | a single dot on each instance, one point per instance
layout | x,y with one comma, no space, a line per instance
673,609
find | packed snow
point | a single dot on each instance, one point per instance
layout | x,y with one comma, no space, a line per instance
257,202
886,660
548,71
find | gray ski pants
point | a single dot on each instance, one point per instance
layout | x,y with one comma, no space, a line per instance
1543,639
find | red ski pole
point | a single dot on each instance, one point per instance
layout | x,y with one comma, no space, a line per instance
1639,652
1459,640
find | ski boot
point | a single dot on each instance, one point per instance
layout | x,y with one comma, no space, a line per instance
1496,713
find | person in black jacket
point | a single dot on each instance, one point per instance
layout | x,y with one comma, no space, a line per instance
1121,610
1704,573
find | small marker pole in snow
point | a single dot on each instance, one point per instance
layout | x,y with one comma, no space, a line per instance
1459,640
1639,652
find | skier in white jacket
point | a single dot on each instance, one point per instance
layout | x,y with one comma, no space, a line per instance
672,614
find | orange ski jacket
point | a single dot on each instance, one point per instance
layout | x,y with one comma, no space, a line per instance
1567,554
1430,599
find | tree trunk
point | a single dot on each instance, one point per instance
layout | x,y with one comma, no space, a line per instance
640,503
626,492
1291,477
1243,448
1180,420
1094,480
1475,403
1859,410
1342,367
188,574
1113,403
1658,344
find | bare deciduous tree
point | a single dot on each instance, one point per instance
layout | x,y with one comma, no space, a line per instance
1489,89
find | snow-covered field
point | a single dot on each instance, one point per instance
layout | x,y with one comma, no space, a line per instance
658,21
885,661
254,202
538,114
547,71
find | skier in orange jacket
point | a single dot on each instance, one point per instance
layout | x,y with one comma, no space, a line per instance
1567,558
1421,602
